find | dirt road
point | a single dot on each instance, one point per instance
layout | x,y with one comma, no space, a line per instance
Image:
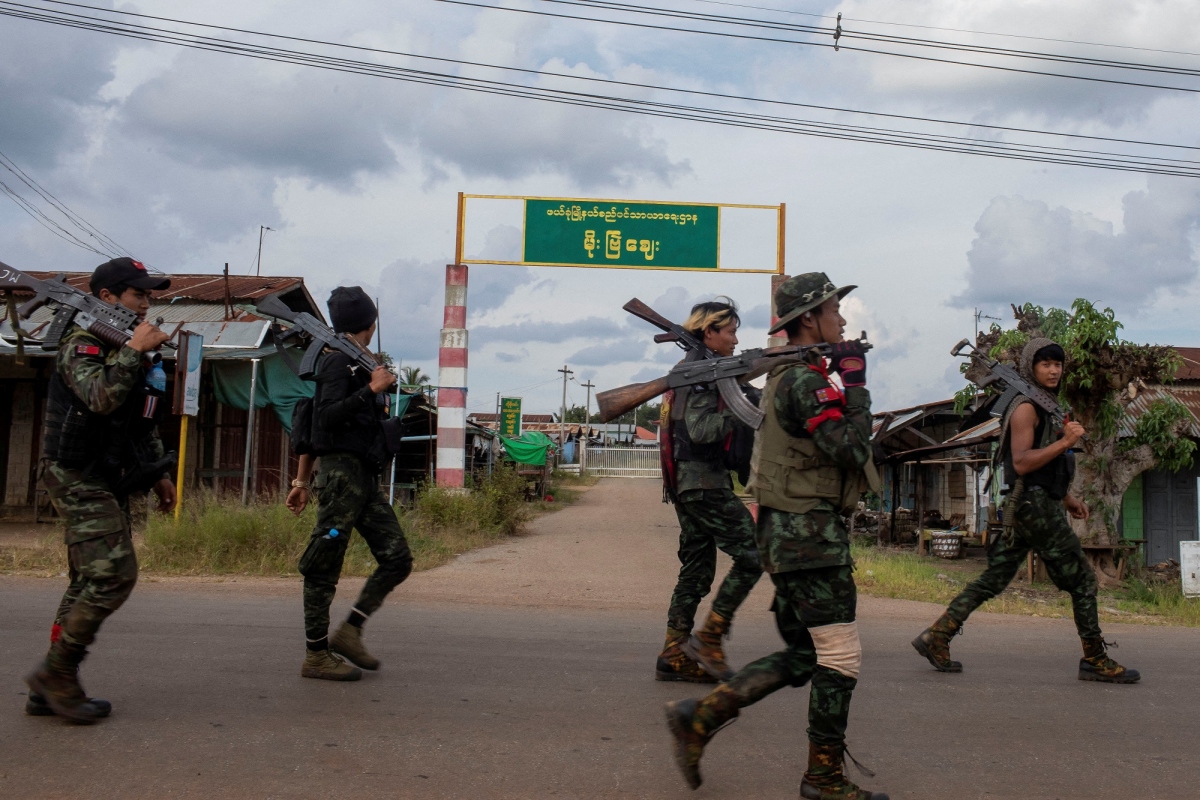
524,671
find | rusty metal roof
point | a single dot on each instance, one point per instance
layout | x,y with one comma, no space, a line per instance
1189,396
199,287
1190,371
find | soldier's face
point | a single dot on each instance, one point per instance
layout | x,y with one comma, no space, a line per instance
136,300
1048,373
830,322
722,340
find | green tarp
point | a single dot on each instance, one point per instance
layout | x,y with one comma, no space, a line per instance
277,387
531,448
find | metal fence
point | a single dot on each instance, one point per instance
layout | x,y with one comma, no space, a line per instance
622,462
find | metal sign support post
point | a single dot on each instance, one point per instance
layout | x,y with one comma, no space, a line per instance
183,431
249,431
452,370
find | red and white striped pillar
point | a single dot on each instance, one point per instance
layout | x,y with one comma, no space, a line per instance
452,381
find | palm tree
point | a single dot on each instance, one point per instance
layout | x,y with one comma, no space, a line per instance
412,376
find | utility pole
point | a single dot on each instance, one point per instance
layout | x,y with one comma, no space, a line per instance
562,420
587,405
258,264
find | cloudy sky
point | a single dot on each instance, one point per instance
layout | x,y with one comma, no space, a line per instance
180,155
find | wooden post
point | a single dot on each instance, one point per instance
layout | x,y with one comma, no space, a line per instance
919,505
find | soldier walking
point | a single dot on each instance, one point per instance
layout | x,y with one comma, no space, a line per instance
1038,469
101,444
348,407
811,463
710,515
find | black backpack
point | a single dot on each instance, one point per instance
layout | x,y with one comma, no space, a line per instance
302,427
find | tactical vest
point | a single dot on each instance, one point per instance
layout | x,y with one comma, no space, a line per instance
790,473
1056,476
78,438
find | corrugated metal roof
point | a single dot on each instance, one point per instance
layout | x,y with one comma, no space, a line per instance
1189,396
1190,371
192,286
228,334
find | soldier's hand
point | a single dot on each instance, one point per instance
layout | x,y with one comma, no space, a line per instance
147,337
850,361
165,490
297,500
381,379
1072,433
1076,508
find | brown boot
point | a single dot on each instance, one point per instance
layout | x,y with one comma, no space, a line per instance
934,644
704,647
57,682
693,723
347,641
675,665
326,666
825,778
1097,666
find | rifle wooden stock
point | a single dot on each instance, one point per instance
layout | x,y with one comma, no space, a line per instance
643,311
615,402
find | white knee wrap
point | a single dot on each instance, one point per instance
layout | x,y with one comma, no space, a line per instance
838,647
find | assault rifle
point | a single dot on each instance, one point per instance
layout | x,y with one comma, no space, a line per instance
673,333
726,372
1013,385
109,323
320,335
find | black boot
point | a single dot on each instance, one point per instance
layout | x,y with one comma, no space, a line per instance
56,680
1097,666
934,644
693,723
826,778
36,706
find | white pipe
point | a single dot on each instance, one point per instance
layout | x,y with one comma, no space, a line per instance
249,431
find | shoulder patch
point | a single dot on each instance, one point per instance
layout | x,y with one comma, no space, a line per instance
828,394
87,350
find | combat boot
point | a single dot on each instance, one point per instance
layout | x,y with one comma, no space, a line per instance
693,723
347,641
326,666
675,665
934,644
1097,666
705,647
36,706
826,779
56,681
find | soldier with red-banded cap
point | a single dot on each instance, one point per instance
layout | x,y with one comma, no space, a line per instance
100,435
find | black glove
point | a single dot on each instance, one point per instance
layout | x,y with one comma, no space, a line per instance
849,359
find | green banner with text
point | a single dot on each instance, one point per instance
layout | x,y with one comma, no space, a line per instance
510,416
591,233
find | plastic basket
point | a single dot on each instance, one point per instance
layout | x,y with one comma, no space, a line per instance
945,545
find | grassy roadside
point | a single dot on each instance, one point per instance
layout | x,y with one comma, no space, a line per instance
904,575
265,539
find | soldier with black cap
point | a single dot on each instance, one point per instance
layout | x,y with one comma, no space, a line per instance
811,463
348,407
101,444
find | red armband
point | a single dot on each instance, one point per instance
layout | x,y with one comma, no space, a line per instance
824,416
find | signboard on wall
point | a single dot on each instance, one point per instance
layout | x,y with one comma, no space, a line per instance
187,373
510,416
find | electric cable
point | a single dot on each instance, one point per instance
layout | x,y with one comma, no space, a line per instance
912,139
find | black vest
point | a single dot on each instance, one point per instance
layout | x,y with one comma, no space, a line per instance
1056,476
685,449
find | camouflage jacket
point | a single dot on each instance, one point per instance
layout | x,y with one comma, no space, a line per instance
101,376
705,425
819,538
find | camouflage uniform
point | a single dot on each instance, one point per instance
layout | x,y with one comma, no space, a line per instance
349,497
103,567
710,516
1041,526
808,556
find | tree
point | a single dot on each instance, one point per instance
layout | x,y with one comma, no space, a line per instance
413,376
1101,377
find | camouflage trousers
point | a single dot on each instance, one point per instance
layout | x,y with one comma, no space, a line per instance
806,598
708,519
349,497
101,563
1040,525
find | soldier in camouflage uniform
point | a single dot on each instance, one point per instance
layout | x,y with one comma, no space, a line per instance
348,407
710,514
1038,468
811,463
99,431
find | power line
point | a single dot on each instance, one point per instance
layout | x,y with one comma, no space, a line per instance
912,139
609,81
952,30
844,35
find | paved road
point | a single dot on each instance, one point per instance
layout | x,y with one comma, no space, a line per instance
524,671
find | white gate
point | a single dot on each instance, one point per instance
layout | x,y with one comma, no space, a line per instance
623,462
